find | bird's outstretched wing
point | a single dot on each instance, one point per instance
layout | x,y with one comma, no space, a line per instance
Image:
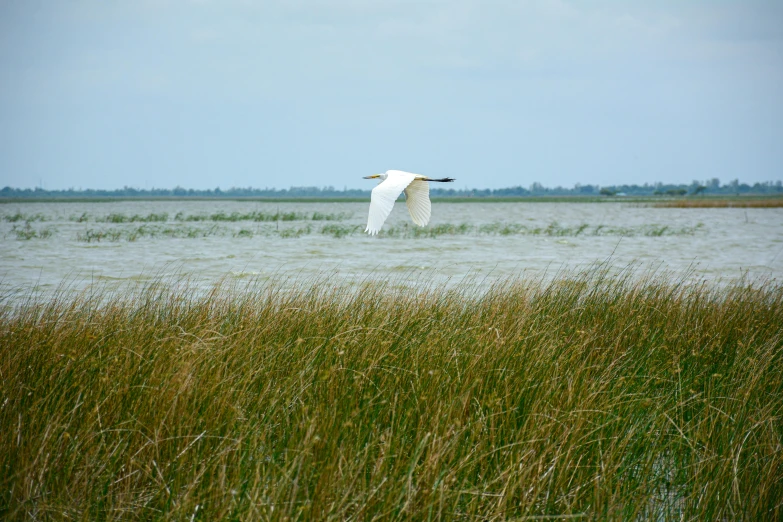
383,197
417,197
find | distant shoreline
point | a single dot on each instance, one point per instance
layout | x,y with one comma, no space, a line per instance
535,192
718,200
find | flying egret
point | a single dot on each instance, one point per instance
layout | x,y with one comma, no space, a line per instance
393,182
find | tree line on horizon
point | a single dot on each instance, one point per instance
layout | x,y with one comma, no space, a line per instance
709,187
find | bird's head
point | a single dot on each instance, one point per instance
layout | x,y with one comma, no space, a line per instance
375,176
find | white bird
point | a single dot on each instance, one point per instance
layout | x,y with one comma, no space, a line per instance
393,182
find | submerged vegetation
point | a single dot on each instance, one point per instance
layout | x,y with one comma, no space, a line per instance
552,229
154,228
162,217
264,216
27,231
404,230
595,395
28,218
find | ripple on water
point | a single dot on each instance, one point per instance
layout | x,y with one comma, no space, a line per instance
713,243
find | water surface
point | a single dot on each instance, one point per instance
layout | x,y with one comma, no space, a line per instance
45,244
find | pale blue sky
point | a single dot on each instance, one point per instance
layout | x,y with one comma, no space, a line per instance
321,92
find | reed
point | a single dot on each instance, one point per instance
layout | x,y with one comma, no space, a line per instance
623,397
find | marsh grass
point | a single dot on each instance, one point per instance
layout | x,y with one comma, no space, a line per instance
405,230
554,229
18,216
723,203
264,216
27,231
92,235
163,217
135,218
339,230
623,397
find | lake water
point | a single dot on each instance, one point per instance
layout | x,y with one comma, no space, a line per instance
45,244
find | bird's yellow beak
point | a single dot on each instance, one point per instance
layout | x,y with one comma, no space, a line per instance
372,177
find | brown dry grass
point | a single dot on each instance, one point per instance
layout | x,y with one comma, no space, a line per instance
723,203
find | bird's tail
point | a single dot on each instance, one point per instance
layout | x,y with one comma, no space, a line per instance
442,180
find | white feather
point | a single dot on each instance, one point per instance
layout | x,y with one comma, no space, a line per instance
394,182
383,197
417,197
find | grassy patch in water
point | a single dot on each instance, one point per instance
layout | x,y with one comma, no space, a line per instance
554,229
135,218
294,232
412,231
19,216
596,396
405,230
27,232
92,235
163,217
263,216
338,231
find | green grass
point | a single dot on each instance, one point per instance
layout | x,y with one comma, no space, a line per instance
163,217
92,235
407,230
123,218
610,397
27,232
338,230
263,216
404,230
18,216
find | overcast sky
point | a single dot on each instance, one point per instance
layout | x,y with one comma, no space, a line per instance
281,93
